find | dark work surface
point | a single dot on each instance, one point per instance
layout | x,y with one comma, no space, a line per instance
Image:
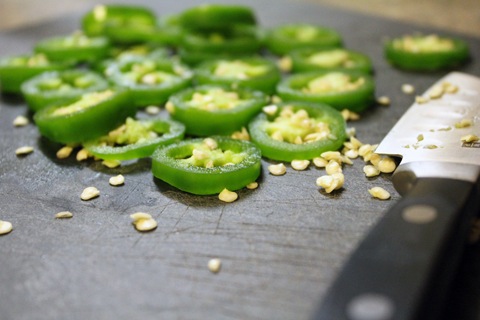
281,245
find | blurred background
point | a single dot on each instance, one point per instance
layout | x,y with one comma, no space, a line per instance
461,16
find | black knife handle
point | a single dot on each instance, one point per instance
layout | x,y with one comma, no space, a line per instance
403,267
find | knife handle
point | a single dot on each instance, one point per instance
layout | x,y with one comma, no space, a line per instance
407,260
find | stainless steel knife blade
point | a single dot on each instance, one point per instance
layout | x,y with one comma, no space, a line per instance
403,267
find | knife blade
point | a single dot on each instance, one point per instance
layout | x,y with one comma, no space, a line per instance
403,267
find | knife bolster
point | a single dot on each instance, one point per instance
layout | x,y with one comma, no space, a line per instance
407,174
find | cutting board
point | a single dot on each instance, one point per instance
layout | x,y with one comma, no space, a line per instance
280,245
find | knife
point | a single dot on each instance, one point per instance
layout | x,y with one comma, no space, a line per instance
403,267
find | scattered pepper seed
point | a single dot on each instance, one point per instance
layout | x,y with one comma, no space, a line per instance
370,171
277,169
63,215
20,121
252,185
143,221
379,193
89,193
111,163
64,152
300,165
152,110
5,227
470,138
82,154
117,180
421,100
408,88
227,196
23,151
270,109
214,265
383,100
464,123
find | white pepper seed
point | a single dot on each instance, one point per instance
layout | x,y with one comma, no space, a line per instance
320,162
64,152
408,88
252,185
270,109
383,100
89,193
464,123
23,151
152,110
20,121
82,154
469,138
386,165
214,265
63,215
421,100
277,169
145,225
300,165
370,171
227,196
111,163
333,167
117,180
5,227
140,215
379,193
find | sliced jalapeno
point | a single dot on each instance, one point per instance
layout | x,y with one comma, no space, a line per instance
88,117
298,131
150,80
239,41
216,16
283,39
215,110
253,73
136,139
337,59
17,69
207,166
340,89
75,48
52,87
120,23
426,52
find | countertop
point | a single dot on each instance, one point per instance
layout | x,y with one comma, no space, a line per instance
281,245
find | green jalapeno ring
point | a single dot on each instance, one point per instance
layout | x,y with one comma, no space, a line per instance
426,60
170,164
285,38
279,150
216,16
15,70
170,131
74,48
305,60
103,17
88,117
216,121
151,81
356,99
56,86
253,73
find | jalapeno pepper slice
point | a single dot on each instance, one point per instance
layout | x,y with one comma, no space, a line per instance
285,38
17,69
336,59
88,117
207,166
75,48
216,16
56,86
340,89
120,23
298,131
151,81
426,52
254,73
239,41
215,110
136,139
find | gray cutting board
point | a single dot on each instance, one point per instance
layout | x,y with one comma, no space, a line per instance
280,245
